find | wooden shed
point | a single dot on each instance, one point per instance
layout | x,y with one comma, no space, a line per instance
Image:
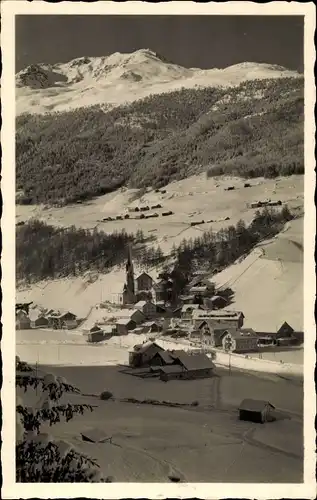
124,325
254,410
96,334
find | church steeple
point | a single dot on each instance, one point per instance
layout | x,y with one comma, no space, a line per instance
130,272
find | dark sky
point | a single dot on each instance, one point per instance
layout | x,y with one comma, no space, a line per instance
191,41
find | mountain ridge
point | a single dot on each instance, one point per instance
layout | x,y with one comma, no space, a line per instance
122,78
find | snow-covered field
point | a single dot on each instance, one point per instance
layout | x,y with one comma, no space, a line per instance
122,78
63,348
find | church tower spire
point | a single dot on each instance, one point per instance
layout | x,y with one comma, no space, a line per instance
130,272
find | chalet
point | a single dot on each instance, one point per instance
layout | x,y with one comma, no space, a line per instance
257,411
147,308
240,342
142,354
124,325
144,282
209,334
60,320
22,321
187,311
219,318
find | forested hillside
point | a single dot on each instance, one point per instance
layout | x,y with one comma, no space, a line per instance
46,252
251,130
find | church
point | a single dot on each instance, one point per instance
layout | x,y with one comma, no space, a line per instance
137,289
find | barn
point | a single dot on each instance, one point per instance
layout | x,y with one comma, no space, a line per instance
256,411
124,325
96,334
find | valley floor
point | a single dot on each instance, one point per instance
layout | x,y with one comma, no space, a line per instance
207,443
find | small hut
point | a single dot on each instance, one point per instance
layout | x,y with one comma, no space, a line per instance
257,411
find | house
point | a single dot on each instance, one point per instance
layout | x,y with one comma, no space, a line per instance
201,286
22,321
60,320
219,318
285,331
187,366
257,411
124,325
187,311
144,282
151,327
209,334
240,342
96,334
147,308
143,353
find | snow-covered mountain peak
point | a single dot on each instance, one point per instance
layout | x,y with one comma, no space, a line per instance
119,78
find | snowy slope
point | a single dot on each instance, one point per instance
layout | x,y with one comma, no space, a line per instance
268,284
120,78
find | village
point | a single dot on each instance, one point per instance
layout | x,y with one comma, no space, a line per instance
201,324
